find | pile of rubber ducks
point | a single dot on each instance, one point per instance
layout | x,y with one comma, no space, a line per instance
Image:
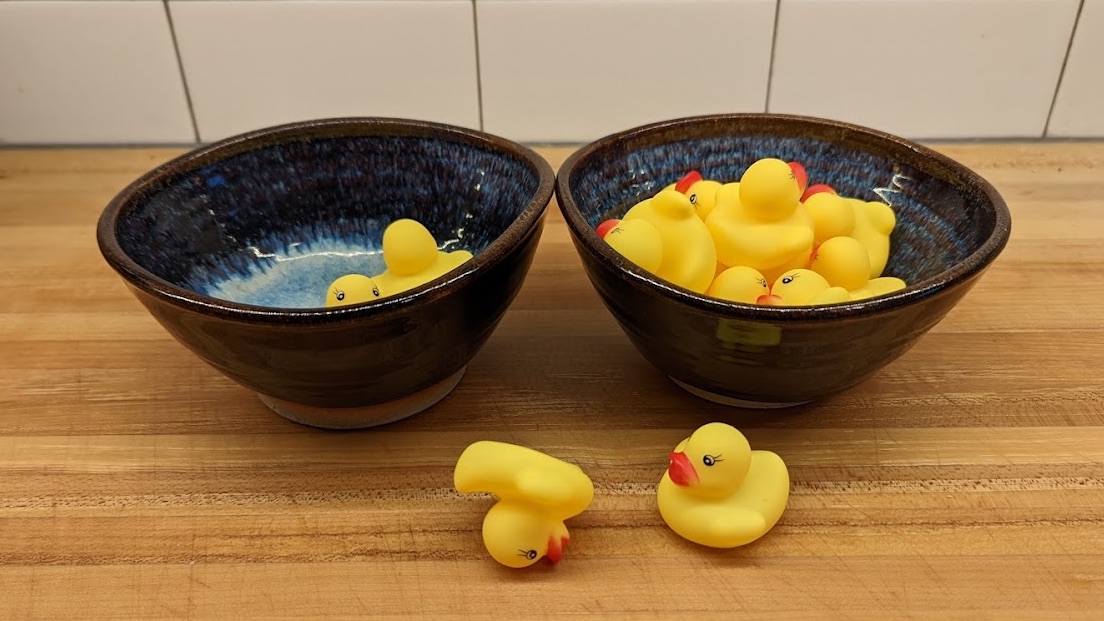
768,239
412,258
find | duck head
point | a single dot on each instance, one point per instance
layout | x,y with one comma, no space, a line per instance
713,460
843,262
739,284
769,190
673,204
352,289
519,535
795,288
701,192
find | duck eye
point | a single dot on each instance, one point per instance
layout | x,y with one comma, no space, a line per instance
787,280
708,460
340,296
693,199
531,555
375,291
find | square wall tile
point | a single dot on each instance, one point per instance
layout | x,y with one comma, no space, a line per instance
253,64
576,70
1079,109
922,69
90,72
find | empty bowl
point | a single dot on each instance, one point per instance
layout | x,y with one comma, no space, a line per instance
951,225
232,247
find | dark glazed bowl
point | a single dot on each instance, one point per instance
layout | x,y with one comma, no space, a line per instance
951,224
231,247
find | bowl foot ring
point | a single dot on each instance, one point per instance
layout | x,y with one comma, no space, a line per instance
733,401
364,416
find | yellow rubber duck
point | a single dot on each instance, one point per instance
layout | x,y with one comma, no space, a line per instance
689,258
739,284
536,493
718,492
874,222
804,287
701,192
832,215
765,227
412,257
352,289
844,262
637,241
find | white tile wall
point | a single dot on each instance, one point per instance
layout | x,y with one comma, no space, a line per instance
924,69
107,71
254,63
1079,109
89,72
575,70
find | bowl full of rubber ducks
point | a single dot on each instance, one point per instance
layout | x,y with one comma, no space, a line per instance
764,260
346,270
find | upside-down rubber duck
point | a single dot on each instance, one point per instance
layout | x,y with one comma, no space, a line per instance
536,493
717,492
767,228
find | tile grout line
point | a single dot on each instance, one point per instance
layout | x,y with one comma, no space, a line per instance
1062,71
478,66
774,46
180,67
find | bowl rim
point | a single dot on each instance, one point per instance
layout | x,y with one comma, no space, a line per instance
137,276
631,273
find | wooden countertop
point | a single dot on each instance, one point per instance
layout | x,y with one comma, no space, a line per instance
964,481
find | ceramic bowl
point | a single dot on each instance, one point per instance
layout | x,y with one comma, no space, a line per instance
951,224
232,247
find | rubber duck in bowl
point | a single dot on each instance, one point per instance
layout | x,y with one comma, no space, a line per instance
536,493
717,492
765,227
412,258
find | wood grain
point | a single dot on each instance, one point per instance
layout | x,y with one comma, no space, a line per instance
964,481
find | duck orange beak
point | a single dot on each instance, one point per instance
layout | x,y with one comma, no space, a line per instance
688,180
681,470
800,176
556,548
769,300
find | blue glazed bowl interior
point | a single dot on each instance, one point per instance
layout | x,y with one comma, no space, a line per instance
274,225
939,222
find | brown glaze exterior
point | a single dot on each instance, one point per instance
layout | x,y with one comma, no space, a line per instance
772,355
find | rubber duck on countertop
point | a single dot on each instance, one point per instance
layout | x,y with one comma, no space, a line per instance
689,258
844,262
767,228
412,257
536,493
718,492
803,287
